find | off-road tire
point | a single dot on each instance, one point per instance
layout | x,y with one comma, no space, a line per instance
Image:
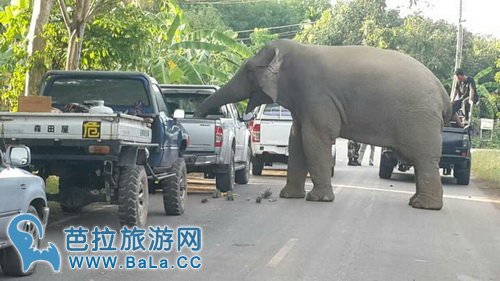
386,167
133,196
175,189
9,257
243,176
257,166
462,175
225,181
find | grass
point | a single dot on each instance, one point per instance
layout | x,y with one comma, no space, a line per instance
486,167
52,185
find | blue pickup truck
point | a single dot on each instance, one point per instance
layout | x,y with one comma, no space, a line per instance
108,138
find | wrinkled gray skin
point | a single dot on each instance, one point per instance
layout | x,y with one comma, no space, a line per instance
365,94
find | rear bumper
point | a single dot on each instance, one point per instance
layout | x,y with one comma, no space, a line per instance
201,159
259,149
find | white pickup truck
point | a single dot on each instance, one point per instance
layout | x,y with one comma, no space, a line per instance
219,144
270,130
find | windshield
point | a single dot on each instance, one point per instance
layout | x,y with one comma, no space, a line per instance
118,93
276,111
188,102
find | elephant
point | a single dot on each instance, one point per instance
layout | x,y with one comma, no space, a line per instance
369,95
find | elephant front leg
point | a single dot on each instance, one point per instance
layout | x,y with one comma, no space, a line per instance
318,153
297,168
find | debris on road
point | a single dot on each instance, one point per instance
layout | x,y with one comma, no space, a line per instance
267,194
230,196
204,200
216,194
273,199
258,200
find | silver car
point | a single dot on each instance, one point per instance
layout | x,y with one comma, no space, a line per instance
20,192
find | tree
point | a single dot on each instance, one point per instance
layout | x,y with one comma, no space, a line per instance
75,20
14,21
36,45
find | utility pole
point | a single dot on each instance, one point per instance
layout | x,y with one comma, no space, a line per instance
460,43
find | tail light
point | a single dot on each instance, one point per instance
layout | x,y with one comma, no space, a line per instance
256,133
463,154
219,133
250,124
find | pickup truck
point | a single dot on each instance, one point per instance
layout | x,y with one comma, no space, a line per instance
110,154
270,130
219,143
456,156
20,192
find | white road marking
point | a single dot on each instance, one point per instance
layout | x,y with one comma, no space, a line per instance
457,197
281,254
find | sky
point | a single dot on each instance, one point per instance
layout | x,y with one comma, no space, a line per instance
481,16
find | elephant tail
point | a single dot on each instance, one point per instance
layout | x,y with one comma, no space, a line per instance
447,113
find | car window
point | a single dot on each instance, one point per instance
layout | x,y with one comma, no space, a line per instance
234,111
188,102
159,99
116,92
276,111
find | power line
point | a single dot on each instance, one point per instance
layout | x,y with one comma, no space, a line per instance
275,27
223,2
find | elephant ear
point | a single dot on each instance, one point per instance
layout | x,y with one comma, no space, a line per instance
268,75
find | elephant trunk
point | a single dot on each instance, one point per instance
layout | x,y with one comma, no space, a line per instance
226,94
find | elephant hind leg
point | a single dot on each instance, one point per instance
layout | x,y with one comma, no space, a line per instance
429,189
425,155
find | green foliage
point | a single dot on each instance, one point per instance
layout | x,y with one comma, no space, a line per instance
205,17
14,21
369,22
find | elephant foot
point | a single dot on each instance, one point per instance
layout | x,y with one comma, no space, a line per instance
426,202
289,192
412,199
321,195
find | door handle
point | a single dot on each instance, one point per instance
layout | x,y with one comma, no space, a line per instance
23,186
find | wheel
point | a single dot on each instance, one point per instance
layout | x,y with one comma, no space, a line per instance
225,181
462,175
257,166
133,196
386,167
175,189
243,176
9,258
72,197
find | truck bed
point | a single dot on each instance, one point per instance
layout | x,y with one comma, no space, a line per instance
75,126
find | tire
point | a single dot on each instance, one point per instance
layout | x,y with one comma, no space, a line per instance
133,196
9,258
243,176
225,181
72,197
257,166
175,189
386,167
463,175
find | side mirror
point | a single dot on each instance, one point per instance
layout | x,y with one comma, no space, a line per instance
18,156
179,114
248,117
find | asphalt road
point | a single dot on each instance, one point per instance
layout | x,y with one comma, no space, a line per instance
368,233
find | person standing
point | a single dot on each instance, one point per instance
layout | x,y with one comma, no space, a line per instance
362,154
466,88
353,153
